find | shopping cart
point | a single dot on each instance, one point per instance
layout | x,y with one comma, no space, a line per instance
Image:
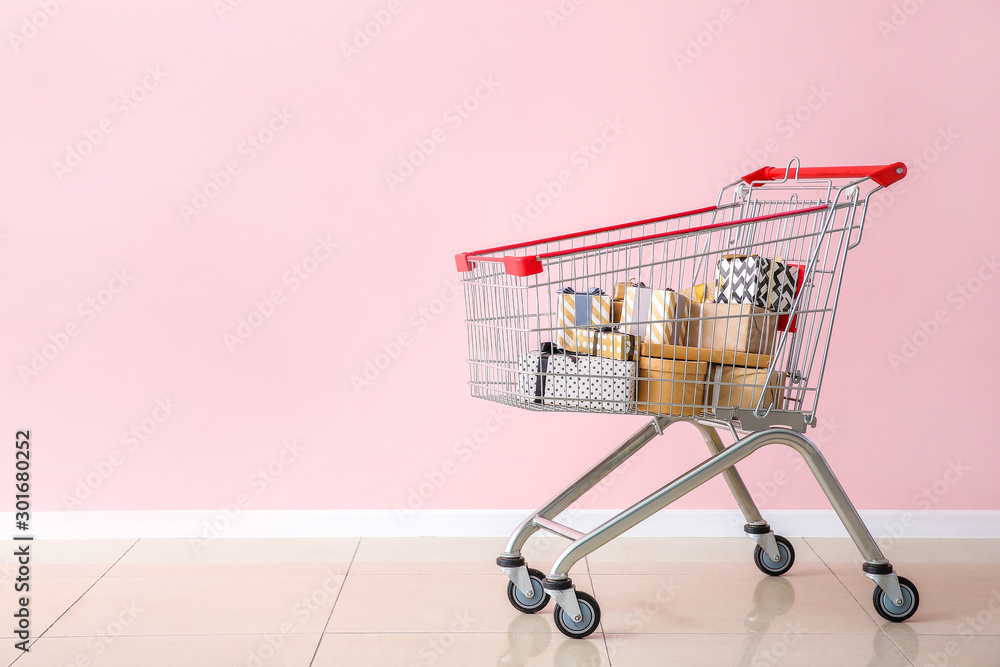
718,317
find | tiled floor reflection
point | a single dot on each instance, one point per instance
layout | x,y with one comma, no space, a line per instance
439,601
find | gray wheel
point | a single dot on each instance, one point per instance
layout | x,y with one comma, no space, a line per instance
775,568
591,618
539,597
889,610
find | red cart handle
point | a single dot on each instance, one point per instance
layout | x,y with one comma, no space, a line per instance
885,175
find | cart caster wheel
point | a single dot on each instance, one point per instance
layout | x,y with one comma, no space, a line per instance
888,609
586,625
780,566
536,602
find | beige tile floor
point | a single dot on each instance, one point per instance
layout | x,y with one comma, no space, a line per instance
418,602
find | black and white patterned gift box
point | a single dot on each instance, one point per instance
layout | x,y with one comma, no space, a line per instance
531,375
591,383
759,281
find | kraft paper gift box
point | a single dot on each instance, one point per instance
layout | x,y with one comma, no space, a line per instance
657,316
740,387
700,293
740,327
532,369
591,383
581,309
671,387
758,281
618,299
617,345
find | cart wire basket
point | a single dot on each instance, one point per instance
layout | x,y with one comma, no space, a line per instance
719,317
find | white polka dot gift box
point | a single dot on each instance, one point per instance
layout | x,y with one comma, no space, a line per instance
590,383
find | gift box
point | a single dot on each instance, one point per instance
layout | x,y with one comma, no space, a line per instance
758,281
704,354
740,327
618,345
739,387
581,309
700,293
656,316
671,386
591,383
532,370
618,298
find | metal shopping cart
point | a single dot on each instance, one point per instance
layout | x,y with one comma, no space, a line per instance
719,317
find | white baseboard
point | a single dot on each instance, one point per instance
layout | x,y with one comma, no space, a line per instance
484,523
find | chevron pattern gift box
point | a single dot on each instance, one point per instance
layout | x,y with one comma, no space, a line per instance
657,316
755,280
574,310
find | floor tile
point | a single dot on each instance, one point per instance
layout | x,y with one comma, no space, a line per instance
953,600
448,555
426,603
843,557
427,555
47,600
954,651
803,603
191,651
661,555
528,641
64,558
236,556
199,605
750,649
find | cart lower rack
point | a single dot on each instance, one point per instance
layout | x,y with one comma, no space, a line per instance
719,317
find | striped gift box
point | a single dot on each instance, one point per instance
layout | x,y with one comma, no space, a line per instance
656,316
591,308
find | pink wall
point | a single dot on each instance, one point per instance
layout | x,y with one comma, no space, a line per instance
163,98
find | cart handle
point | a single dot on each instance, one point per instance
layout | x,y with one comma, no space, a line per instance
885,175
523,266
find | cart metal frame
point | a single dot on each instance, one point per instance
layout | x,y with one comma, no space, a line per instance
509,303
